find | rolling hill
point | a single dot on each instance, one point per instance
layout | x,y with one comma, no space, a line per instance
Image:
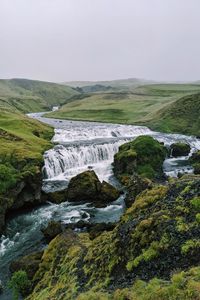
30,95
145,105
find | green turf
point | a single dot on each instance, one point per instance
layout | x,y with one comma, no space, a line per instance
32,96
138,106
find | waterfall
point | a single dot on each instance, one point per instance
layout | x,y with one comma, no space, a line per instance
70,160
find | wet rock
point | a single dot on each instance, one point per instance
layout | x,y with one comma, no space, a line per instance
29,264
180,149
135,186
1,287
195,162
56,197
87,187
143,156
97,229
52,230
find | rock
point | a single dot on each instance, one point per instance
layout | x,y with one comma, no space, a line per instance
29,264
180,149
84,186
195,162
52,230
1,287
97,229
87,187
108,193
143,156
136,185
56,197
26,193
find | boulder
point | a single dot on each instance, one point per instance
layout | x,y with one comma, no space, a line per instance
143,156
135,186
84,187
195,162
52,230
87,187
180,149
29,264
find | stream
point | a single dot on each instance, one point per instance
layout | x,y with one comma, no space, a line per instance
79,146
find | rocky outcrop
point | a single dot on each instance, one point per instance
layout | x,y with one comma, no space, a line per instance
29,264
135,185
180,149
87,187
195,162
143,156
26,193
52,230
156,236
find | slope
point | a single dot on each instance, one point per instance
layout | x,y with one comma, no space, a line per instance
31,95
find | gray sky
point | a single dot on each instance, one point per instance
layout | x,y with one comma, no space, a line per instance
61,40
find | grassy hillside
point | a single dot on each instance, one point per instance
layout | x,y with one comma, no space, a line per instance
31,96
181,116
137,107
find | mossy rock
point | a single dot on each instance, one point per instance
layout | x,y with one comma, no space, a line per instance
52,230
135,185
180,149
56,197
157,235
195,161
143,156
87,187
29,264
83,187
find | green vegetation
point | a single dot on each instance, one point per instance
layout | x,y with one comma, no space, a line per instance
22,144
20,284
156,105
32,96
181,116
141,254
143,156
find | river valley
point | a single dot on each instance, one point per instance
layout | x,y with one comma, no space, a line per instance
78,146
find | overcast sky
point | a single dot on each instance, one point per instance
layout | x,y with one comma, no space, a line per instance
62,40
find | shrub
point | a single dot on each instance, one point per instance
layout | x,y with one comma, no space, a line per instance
20,284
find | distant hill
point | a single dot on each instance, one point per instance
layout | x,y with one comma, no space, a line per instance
121,84
164,107
181,116
31,95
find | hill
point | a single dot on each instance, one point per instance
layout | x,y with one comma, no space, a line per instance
141,106
180,116
31,95
119,84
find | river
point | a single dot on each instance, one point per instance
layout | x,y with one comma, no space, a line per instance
78,146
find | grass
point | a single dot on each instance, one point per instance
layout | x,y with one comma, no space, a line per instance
32,96
140,106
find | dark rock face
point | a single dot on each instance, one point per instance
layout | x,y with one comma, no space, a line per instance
27,193
29,264
52,230
136,185
180,149
195,161
143,156
87,187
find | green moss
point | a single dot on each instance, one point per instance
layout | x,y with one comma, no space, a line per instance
143,156
141,246
190,246
195,202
